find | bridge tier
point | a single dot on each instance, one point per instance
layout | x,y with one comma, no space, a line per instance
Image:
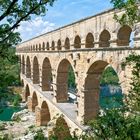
89,47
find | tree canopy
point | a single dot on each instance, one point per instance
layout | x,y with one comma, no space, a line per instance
131,14
11,15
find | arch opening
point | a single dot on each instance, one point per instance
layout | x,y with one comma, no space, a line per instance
36,47
123,35
46,75
27,92
89,40
67,44
66,87
48,46
39,47
77,42
23,65
98,94
53,45
28,67
44,114
35,71
61,129
104,40
34,101
43,46
59,44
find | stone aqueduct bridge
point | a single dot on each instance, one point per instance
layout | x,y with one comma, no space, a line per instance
89,46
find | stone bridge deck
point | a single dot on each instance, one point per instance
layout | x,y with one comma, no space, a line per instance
67,109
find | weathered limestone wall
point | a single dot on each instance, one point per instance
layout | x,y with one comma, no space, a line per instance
89,46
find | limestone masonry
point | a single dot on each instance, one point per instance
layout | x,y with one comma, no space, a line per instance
89,46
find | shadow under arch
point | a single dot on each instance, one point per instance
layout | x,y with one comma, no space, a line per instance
34,101
35,71
23,65
77,42
59,45
53,45
43,114
27,92
104,39
92,89
89,40
123,36
61,129
46,75
67,44
62,80
28,67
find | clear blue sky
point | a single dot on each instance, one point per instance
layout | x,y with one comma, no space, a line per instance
63,12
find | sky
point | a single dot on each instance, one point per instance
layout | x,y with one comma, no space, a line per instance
62,13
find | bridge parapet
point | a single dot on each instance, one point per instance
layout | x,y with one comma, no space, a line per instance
99,31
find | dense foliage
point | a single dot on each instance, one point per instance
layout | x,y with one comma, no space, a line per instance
13,12
9,70
40,135
131,14
109,76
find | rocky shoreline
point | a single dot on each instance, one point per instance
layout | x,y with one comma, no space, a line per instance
22,126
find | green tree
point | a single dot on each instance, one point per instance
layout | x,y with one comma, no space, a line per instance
13,12
109,76
131,14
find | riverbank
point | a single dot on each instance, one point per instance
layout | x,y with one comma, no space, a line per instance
22,128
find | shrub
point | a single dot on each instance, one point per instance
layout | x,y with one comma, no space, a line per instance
39,135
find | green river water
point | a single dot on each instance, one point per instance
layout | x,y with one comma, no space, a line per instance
7,112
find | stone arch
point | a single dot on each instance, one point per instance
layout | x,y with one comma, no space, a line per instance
59,44
92,89
62,81
43,114
27,92
104,39
89,40
39,47
46,75
35,71
123,36
48,46
53,45
28,67
33,47
34,101
77,42
67,43
61,129
23,65
36,47
43,46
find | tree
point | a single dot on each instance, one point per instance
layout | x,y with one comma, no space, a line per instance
131,14
13,12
